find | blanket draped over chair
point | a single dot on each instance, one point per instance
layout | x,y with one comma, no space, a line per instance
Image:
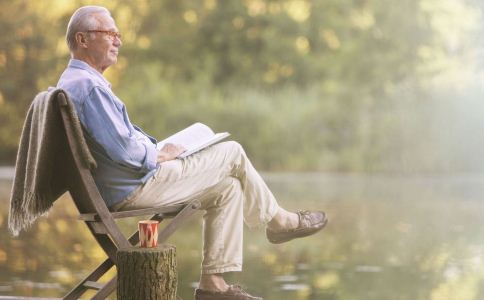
42,155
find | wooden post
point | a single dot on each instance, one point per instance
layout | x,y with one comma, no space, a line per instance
147,273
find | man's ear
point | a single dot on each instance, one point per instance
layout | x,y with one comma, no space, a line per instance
81,40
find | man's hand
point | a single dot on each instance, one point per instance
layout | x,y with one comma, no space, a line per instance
169,152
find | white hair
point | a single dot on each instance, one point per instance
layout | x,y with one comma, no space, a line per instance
83,19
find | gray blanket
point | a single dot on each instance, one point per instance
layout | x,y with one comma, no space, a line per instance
42,159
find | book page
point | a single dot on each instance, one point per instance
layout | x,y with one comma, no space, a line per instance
189,137
205,143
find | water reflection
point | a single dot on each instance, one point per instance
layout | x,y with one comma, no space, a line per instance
388,238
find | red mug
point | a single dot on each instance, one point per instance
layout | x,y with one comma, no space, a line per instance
148,233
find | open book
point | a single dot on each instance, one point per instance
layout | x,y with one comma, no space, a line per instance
194,138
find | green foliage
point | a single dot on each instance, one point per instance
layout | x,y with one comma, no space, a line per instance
303,85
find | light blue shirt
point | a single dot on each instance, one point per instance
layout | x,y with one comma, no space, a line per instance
125,155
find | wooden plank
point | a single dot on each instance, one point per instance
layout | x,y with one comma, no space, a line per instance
98,227
93,285
169,210
128,214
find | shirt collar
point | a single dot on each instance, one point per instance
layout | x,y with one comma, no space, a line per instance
79,64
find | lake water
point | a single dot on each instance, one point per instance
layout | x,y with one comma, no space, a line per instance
389,237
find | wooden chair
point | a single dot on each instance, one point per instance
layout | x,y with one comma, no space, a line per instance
98,218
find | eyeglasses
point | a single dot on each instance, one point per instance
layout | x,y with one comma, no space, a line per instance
112,34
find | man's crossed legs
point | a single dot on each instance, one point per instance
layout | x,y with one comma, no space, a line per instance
231,192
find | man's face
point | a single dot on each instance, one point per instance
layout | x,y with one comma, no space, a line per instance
102,47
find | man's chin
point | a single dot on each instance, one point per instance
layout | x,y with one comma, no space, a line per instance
113,57
112,61
108,64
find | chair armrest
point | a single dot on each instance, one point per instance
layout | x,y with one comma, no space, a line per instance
165,211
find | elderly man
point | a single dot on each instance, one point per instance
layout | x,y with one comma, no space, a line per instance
132,174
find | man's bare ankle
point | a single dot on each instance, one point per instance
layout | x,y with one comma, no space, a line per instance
213,282
283,220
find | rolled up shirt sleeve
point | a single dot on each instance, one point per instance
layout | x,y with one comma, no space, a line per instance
107,122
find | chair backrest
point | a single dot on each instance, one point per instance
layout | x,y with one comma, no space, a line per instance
82,188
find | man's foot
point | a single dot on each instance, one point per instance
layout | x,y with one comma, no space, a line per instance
234,292
309,223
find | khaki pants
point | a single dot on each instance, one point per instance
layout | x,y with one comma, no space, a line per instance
230,190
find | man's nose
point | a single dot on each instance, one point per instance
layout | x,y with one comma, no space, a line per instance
117,42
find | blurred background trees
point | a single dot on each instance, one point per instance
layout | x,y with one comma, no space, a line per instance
324,85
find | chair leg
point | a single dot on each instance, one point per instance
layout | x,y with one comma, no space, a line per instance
80,289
